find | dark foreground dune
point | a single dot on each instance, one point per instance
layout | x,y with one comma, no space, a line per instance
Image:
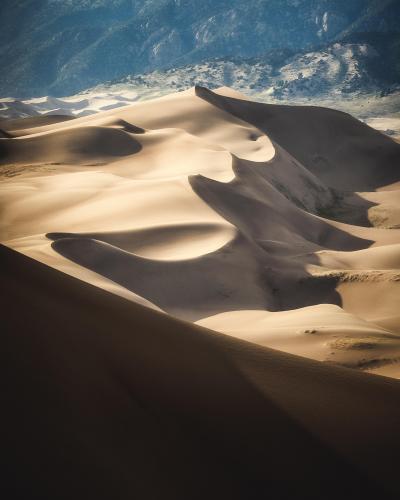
103,398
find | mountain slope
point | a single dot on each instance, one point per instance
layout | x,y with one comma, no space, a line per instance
334,70
60,48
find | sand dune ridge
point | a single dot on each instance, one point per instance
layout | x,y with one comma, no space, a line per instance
220,210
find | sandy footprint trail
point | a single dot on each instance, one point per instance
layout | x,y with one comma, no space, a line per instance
274,224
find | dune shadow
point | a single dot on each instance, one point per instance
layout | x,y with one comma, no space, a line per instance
257,208
4,134
227,279
241,275
15,124
345,153
72,145
349,208
291,127
103,378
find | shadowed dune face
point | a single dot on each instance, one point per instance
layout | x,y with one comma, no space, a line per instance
157,408
248,218
227,279
340,150
74,146
33,121
251,203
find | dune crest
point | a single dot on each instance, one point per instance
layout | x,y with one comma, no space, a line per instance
274,224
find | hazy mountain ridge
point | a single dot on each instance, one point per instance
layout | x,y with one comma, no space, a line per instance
60,48
338,69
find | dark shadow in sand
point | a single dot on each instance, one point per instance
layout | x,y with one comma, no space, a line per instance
33,121
336,147
137,396
71,145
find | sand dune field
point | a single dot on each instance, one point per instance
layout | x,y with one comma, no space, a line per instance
248,218
202,272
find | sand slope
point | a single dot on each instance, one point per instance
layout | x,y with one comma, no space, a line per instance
248,218
104,398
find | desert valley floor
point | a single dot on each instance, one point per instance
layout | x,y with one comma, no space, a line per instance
201,300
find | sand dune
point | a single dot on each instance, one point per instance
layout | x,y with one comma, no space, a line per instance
343,152
33,121
82,104
171,242
105,398
324,332
70,146
219,210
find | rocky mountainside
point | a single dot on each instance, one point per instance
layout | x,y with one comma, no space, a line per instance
60,47
337,69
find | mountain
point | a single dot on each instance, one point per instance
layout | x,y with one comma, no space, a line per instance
61,47
337,69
